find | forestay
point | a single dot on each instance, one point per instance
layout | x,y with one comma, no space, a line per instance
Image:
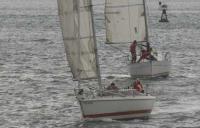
77,29
125,21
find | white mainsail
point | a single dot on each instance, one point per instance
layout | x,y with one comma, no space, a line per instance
125,21
77,29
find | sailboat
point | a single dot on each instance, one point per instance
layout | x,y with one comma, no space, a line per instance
126,21
76,18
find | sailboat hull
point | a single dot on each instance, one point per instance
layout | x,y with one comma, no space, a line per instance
117,107
150,69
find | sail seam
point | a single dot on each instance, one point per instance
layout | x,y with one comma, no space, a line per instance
124,5
75,38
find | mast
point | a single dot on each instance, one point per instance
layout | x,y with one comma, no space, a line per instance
95,43
79,53
146,23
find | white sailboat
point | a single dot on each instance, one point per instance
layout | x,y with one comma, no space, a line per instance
76,17
126,21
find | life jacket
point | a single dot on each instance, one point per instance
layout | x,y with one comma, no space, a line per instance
133,48
145,54
138,86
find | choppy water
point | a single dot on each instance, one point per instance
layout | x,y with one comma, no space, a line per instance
36,87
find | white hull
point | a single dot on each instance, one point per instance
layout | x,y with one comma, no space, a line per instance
117,107
150,69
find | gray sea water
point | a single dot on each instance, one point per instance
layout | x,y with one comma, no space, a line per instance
36,86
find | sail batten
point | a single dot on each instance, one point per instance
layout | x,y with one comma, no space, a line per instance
77,30
125,21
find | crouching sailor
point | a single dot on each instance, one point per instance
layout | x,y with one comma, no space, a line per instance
112,87
138,86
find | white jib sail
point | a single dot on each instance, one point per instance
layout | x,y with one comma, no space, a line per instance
77,29
125,21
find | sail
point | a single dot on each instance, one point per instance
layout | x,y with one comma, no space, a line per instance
125,21
77,29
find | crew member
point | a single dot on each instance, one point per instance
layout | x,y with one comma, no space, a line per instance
112,87
144,55
138,86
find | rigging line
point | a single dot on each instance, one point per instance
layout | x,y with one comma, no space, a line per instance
125,42
96,51
98,5
129,5
91,5
111,6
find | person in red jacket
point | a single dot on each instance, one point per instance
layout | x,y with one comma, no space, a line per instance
145,54
138,86
133,51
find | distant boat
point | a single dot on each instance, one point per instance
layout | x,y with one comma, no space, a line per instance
164,16
127,21
76,17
